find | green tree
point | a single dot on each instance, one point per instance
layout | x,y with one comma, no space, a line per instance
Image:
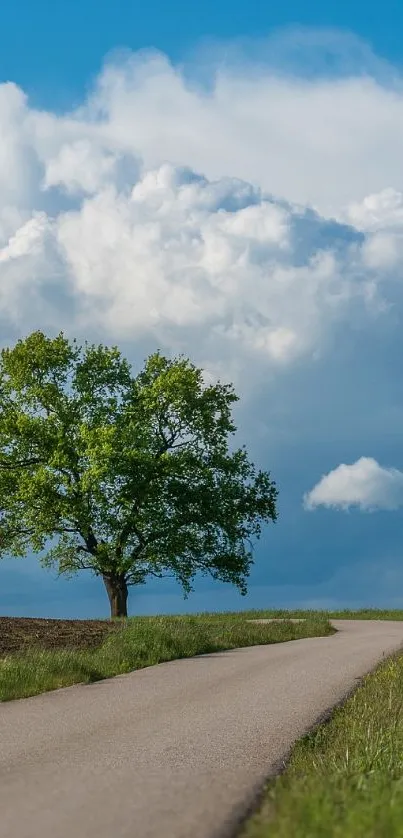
131,477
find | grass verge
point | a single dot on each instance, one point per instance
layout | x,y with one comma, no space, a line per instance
345,779
140,642
346,614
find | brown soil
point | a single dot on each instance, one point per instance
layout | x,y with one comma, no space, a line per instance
18,633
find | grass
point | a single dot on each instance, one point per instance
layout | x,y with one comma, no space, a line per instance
133,644
346,614
345,779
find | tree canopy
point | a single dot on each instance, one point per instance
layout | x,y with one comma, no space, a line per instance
130,475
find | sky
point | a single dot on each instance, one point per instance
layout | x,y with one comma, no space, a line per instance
224,180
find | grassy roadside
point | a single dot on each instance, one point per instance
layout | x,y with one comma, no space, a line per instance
344,780
346,614
140,642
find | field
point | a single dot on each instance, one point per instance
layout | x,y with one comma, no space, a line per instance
38,655
19,633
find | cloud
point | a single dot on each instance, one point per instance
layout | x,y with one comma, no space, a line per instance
181,252
256,112
269,112
174,210
364,483
183,258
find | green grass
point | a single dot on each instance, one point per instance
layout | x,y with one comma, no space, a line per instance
143,641
345,779
346,614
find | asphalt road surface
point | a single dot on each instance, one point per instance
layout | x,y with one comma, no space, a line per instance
178,750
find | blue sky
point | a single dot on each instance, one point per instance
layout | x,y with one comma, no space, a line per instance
53,49
224,180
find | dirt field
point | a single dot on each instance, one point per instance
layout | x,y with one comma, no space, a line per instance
17,633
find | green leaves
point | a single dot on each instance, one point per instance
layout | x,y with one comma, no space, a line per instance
131,474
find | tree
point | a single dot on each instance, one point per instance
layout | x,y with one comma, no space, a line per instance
131,476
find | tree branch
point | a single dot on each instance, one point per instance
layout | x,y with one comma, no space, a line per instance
33,461
82,564
18,531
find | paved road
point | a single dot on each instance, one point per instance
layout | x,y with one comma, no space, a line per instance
177,750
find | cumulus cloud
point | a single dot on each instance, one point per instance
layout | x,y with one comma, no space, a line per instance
364,484
253,112
257,114
181,256
177,212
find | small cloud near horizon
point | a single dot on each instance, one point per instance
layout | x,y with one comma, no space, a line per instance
364,484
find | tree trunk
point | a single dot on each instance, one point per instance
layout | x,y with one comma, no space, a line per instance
117,590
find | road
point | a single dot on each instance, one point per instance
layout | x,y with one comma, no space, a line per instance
178,750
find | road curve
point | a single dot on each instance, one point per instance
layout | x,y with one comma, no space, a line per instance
178,750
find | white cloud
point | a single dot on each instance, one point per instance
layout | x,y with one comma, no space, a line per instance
80,166
377,212
364,483
219,264
310,138
380,217
383,251
27,239
101,207
327,141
